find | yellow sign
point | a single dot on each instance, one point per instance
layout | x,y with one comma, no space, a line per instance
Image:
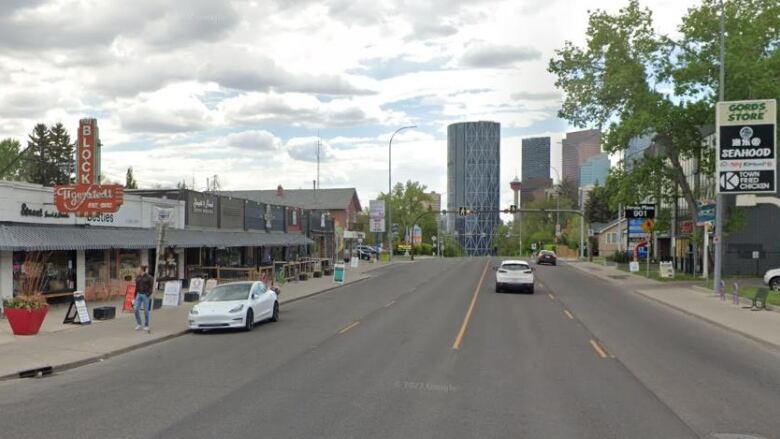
648,226
404,247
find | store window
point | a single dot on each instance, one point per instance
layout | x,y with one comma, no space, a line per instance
44,272
229,257
109,272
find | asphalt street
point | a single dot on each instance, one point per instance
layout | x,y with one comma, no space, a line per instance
425,350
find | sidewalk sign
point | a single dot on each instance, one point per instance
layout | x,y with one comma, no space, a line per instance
77,310
196,285
633,266
172,295
354,262
129,298
338,273
210,285
666,270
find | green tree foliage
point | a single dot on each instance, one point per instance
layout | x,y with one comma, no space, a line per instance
10,162
568,190
409,201
597,206
130,182
49,157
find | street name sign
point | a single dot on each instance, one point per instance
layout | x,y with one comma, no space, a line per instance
746,138
642,211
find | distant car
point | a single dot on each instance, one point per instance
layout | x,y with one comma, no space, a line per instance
364,254
772,278
235,305
516,275
547,257
368,248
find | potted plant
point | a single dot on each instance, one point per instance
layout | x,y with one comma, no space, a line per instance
25,313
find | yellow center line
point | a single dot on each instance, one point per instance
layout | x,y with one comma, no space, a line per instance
551,296
466,319
599,350
391,302
351,325
568,314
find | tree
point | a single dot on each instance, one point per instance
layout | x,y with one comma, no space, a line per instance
568,190
597,208
61,154
130,182
10,162
407,203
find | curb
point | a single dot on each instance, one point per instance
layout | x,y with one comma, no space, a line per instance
691,314
102,357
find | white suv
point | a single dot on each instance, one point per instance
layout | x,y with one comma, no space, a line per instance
515,275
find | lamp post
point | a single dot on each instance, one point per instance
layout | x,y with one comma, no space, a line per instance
557,203
719,206
388,206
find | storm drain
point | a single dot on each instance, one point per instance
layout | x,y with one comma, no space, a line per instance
37,372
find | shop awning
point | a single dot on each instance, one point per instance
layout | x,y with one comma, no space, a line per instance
30,237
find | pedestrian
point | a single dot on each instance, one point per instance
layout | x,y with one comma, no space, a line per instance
143,297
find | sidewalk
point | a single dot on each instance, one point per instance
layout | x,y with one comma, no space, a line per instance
66,346
762,326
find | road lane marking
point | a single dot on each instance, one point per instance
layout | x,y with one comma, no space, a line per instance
391,302
351,325
551,296
599,350
568,314
466,319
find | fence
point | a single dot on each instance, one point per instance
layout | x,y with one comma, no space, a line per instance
280,272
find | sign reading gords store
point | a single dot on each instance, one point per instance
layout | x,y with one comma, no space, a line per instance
747,138
88,197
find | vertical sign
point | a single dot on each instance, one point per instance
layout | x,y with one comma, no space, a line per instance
376,215
746,139
87,160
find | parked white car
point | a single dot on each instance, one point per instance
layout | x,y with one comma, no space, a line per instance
235,305
772,278
515,275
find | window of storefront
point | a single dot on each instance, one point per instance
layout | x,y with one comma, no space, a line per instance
229,257
109,272
46,272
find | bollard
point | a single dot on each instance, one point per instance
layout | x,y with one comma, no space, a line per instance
735,294
722,290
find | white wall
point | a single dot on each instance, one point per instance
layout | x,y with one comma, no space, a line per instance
6,274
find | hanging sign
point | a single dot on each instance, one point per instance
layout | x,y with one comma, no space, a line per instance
746,140
87,152
88,199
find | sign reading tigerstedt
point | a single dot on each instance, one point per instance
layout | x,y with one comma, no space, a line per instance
747,137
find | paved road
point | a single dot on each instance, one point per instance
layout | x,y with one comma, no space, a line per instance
385,358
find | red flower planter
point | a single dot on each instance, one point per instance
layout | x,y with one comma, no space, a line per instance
24,322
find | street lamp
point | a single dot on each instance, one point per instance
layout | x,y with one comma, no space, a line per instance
388,206
557,203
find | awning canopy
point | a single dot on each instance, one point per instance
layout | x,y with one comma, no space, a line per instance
31,237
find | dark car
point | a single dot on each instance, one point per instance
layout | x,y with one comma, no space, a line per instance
547,257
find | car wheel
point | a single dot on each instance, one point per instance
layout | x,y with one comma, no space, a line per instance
498,288
275,314
250,320
774,283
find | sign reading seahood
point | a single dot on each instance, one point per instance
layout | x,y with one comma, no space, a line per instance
747,139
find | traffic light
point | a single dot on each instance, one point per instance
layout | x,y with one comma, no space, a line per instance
513,208
462,211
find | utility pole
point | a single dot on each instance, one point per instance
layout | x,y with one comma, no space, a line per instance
719,204
388,206
318,161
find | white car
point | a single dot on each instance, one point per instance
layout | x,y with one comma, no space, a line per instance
235,305
515,275
772,278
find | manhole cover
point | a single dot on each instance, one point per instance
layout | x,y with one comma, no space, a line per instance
618,276
736,436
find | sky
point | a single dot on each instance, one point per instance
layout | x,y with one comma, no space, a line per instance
244,89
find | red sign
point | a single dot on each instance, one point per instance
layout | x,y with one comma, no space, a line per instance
88,199
86,152
129,298
686,227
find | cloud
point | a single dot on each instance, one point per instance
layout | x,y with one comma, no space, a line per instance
296,109
486,55
305,149
535,96
255,140
173,109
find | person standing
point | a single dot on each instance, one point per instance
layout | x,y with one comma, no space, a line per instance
143,297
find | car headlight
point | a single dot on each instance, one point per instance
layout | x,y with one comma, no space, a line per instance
194,311
237,309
